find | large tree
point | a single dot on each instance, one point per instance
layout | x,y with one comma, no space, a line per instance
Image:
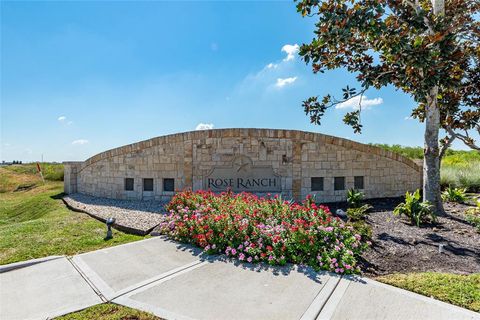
429,49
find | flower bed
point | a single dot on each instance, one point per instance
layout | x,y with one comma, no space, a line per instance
256,229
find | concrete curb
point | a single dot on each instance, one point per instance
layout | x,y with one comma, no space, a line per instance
28,263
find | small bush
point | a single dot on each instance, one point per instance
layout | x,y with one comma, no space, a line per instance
358,214
354,198
473,216
356,219
362,228
454,195
253,229
416,210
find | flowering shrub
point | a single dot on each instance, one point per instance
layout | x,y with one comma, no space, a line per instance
256,229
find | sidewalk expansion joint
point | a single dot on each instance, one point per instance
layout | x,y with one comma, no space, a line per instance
321,299
160,278
90,283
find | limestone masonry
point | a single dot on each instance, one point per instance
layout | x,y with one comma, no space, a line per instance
293,163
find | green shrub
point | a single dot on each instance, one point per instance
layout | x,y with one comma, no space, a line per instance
454,195
356,219
362,228
409,152
416,210
354,198
473,216
358,214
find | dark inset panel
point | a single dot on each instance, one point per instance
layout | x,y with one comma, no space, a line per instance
317,183
339,183
358,182
147,184
129,184
168,184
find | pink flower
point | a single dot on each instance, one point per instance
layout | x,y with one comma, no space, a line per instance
241,256
249,259
234,252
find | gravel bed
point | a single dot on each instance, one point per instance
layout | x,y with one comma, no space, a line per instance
133,216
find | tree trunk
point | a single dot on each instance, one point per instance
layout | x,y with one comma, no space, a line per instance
431,161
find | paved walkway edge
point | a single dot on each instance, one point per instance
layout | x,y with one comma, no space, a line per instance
28,263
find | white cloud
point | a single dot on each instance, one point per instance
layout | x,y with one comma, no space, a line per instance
353,103
291,51
80,142
281,82
204,126
63,119
272,66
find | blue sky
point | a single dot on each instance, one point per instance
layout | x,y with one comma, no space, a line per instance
78,78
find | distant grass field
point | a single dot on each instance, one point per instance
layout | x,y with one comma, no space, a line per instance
35,223
51,171
459,168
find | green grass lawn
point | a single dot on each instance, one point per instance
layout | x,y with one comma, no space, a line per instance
109,311
36,223
460,290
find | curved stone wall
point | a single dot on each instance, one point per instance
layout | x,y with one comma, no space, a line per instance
294,163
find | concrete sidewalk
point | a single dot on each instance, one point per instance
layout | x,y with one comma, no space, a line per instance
175,281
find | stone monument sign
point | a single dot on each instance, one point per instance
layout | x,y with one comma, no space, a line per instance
242,175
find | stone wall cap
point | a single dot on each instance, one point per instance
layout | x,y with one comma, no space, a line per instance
300,135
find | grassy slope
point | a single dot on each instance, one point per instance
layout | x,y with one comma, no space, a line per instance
109,311
51,171
36,223
461,290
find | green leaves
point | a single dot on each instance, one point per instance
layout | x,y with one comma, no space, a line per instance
418,41
353,119
416,210
414,51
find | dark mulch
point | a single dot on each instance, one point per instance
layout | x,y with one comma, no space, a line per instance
398,246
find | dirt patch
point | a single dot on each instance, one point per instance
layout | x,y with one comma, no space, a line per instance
452,245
